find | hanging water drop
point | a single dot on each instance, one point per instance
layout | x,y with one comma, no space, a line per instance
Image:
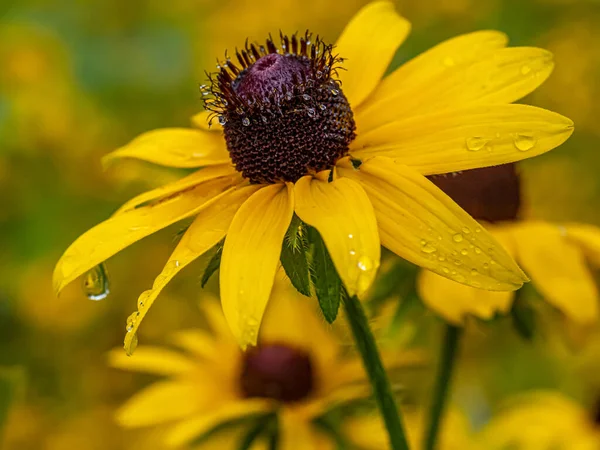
96,285
524,142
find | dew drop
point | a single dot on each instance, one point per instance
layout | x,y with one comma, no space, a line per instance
350,236
486,266
352,252
441,258
428,248
476,143
474,272
222,120
464,252
475,284
460,278
322,107
264,119
477,230
334,92
457,237
525,70
524,142
477,250
311,112
445,270
96,285
365,263
465,230
306,97
245,121
129,349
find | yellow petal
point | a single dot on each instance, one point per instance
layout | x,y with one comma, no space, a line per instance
200,343
180,185
113,235
454,302
296,432
503,76
420,223
587,237
161,402
478,136
368,45
175,147
184,432
207,121
208,228
343,215
153,360
422,72
250,258
557,269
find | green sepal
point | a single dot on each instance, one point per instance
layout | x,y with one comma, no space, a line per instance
523,316
294,258
325,279
214,263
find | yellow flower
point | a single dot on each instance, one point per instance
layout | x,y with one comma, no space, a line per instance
540,421
295,372
554,256
345,151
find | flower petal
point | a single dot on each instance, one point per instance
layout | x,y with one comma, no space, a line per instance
250,258
587,237
368,44
454,302
208,228
420,223
184,432
113,235
422,72
478,136
343,215
180,185
503,76
153,360
175,147
558,270
296,432
207,121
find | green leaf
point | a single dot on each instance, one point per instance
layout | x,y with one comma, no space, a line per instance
523,316
248,422
325,279
254,432
214,263
294,257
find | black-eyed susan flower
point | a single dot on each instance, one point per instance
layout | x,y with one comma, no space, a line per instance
541,420
558,257
295,375
309,128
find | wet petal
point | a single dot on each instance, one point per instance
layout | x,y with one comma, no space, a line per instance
478,136
180,185
175,147
557,269
420,223
208,228
184,432
153,360
587,237
503,76
251,256
454,302
113,235
343,215
368,44
423,71
207,121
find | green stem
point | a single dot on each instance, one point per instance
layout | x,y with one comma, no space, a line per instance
382,390
442,386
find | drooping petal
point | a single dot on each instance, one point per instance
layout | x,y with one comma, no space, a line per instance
113,235
208,228
343,215
180,185
503,76
454,302
478,136
207,121
250,258
175,147
587,237
557,269
184,432
153,360
368,44
423,71
420,223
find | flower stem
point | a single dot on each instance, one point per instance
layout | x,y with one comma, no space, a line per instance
382,390
442,386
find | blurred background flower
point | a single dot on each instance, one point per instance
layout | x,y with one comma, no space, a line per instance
80,79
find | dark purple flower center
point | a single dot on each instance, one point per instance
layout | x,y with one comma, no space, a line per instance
283,112
278,372
491,193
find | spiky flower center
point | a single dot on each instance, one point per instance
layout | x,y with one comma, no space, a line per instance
283,112
492,194
278,372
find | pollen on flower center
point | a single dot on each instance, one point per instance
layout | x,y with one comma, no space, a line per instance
278,372
283,112
492,194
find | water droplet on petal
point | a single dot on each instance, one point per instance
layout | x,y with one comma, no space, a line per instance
95,283
222,120
474,272
132,345
524,142
476,143
464,252
477,250
457,237
352,252
460,278
465,230
428,248
445,270
365,263
245,121
477,230
525,70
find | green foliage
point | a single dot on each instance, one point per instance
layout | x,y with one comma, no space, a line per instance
214,263
294,257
